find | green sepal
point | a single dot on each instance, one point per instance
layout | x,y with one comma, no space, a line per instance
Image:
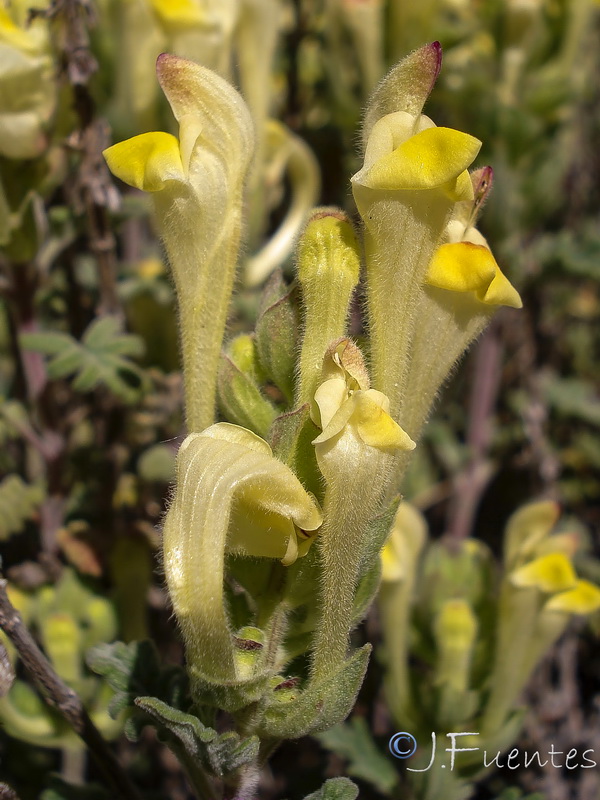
335,789
366,591
453,709
376,535
240,400
221,754
277,339
318,706
228,697
466,574
291,438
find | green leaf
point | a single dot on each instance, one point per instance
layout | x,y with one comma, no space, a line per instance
354,743
366,591
291,438
220,754
335,789
101,358
18,503
134,670
571,397
319,706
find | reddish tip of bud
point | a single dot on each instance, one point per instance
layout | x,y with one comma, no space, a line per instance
435,58
436,48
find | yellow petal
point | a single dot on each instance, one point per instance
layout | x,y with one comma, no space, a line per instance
501,292
584,598
375,426
460,189
551,573
461,267
178,12
339,420
427,160
392,569
147,161
329,398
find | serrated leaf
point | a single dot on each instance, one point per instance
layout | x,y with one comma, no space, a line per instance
18,503
335,789
99,359
354,743
221,754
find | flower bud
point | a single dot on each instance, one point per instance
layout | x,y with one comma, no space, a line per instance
328,271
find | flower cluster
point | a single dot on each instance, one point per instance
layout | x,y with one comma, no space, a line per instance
303,511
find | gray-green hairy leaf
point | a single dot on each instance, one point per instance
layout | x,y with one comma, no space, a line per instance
101,358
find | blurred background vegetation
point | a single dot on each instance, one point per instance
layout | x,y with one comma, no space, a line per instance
90,388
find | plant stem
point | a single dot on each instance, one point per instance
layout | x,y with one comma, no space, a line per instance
198,779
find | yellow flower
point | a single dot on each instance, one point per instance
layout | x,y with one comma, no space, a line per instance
197,184
351,414
413,175
583,598
551,573
232,495
27,84
465,263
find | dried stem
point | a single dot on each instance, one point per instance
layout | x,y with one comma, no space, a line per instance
93,193
6,793
472,480
63,698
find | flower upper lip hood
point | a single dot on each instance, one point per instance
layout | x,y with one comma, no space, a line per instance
232,495
197,184
215,135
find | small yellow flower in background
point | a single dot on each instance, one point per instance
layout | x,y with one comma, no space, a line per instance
583,598
551,573
27,84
